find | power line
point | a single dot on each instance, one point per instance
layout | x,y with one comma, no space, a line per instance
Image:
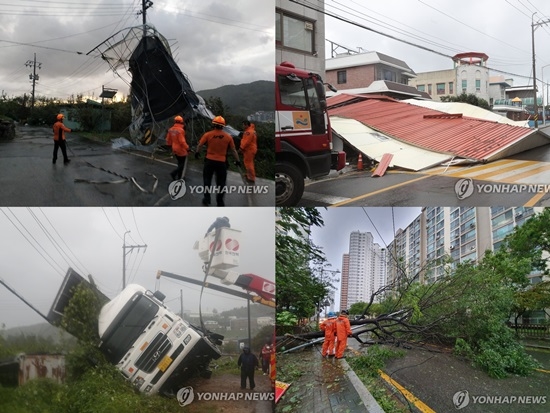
36,244
345,20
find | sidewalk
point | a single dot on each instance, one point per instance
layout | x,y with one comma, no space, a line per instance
326,385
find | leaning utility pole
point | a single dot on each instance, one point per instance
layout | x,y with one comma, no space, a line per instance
34,77
124,253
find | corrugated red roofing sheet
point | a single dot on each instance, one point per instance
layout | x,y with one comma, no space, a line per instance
430,129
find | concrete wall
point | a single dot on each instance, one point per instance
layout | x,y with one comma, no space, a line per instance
314,62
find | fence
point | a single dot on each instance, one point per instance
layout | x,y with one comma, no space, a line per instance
532,330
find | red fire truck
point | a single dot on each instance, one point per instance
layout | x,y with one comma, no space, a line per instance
303,138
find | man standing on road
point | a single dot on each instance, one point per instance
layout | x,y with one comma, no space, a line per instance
175,137
343,330
217,142
248,363
249,147
59,139
329,327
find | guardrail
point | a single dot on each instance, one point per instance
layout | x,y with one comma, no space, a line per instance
532,330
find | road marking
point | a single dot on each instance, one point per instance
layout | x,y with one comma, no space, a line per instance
419,404
389,188
533,201
543,371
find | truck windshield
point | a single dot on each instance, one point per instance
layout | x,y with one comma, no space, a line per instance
127,327
299,93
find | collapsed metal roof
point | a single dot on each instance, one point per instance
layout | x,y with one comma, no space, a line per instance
454,135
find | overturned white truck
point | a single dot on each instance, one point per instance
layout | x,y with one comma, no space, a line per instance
154,348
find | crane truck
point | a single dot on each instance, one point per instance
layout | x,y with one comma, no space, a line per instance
303,137
154,348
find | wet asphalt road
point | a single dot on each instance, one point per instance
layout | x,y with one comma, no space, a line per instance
358,188
28,177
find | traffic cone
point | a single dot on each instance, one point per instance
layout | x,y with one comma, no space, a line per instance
360,162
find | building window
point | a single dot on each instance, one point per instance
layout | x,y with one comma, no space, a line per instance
342,76
440,88
464,85
294,32
430,89
451,88
421,88
478,85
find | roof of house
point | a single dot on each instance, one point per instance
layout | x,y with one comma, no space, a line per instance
454,134
387,87
362,59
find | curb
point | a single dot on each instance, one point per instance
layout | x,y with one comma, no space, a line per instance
368,400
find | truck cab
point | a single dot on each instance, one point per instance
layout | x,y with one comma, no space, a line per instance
154,348
303,137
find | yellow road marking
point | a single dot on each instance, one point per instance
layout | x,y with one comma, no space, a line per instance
420,405
533,201
543,371
379,191
502,170
531,172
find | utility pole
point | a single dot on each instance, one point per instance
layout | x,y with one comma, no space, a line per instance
124,253
34,77
145,4
533,28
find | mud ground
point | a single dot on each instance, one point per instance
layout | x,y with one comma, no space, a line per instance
231,384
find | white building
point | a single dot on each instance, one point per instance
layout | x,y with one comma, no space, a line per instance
367,267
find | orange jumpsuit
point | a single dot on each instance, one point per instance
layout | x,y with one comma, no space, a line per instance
343,330
249,147
329,327
59,140
175,137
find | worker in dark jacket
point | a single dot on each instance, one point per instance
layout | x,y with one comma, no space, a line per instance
59,139
248,362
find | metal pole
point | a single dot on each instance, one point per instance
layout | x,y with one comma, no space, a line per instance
124,260
249,332
535,107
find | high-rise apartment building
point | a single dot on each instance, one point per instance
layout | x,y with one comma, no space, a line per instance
423,248
366,269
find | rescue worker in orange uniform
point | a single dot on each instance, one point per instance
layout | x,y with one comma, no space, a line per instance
59,130
343,331
217,142
249,147
329,327
175,137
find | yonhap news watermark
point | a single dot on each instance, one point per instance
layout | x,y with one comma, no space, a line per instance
187,395
466,187
178,189
463,398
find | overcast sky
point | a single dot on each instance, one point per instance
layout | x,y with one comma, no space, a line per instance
93,239
499,28
215,42
381,222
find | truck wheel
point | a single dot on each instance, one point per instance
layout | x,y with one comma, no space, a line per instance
289,184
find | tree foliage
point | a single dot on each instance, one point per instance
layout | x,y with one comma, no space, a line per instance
467,98
299,291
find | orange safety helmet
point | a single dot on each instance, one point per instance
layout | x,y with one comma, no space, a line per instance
218,120
60,116
178,119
